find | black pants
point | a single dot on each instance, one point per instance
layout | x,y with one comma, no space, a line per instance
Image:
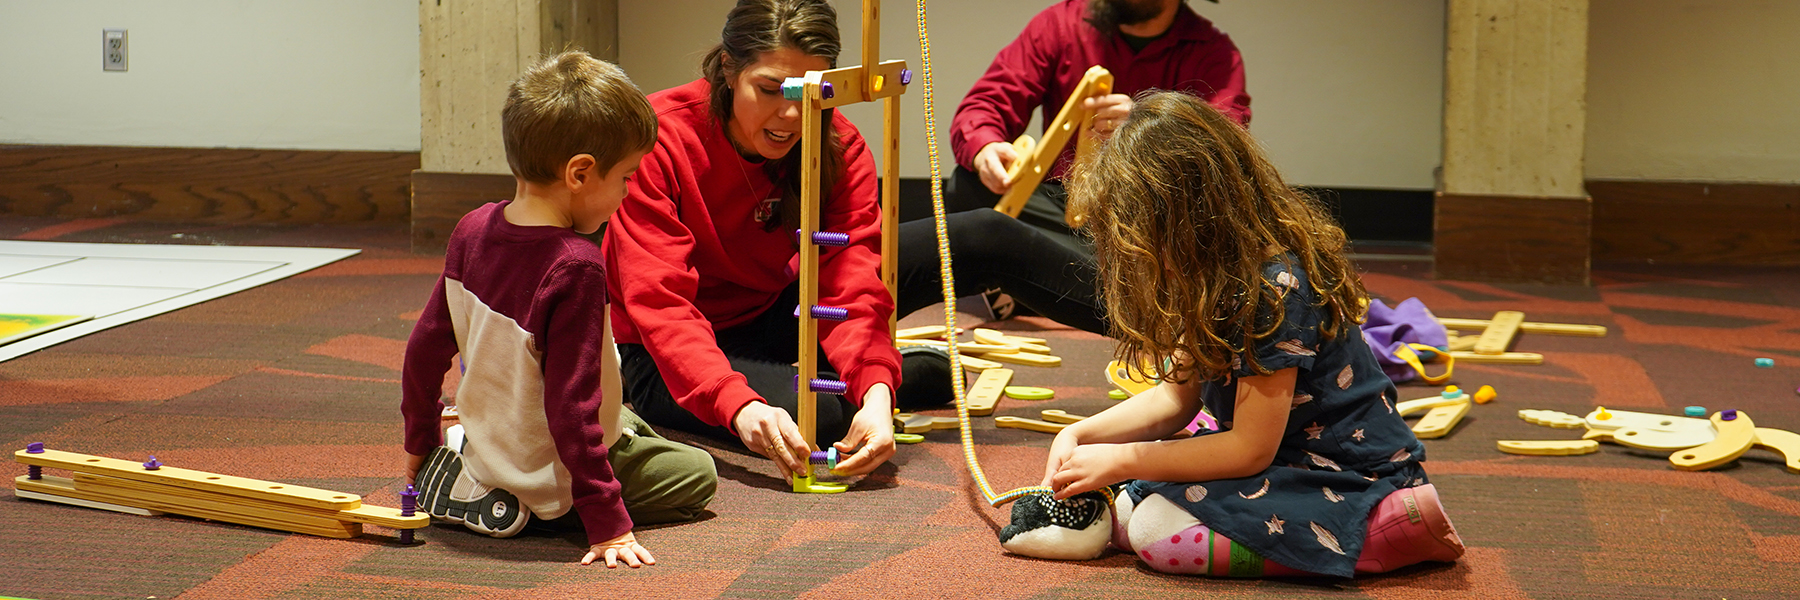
764,351
1035,258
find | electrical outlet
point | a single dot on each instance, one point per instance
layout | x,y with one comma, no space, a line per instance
113,50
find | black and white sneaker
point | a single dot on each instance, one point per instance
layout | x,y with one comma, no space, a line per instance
447,493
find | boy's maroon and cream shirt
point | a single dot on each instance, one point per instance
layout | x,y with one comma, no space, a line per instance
688,253
526,309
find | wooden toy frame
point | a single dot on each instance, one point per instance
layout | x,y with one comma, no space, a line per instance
1036,158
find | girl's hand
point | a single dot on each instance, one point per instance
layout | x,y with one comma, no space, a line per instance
623,548
1060,450
872,429
1089,467
769,431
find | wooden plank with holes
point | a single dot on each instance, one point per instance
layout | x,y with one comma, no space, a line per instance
1440,420
976,365
961,347
1499,333
372,515
986,392
995,338
1037,158
1057,416
59,486
922,333
188,478
848,83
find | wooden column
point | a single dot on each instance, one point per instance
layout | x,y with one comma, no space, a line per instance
469,52
1511,206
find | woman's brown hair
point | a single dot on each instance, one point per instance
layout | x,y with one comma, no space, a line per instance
755,27
1184,211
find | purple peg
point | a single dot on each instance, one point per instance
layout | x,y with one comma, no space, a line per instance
34,472
152,464
409,505
826,91
829,386
906,77
1729,414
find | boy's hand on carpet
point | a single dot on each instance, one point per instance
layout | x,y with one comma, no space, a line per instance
413,464
624,548
872,429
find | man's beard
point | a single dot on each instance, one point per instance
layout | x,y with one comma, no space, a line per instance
1108,15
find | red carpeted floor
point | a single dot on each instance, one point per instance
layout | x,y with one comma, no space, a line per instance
297,381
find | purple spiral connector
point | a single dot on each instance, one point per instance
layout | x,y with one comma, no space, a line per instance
829,386
34,472
827,457
830,313
829,238
826,91
1729,414
152,464
409,504
906,77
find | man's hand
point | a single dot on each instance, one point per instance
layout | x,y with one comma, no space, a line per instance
624,548
872,429
992,162
1109,113
769,431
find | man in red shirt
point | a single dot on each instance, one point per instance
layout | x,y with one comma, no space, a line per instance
1038,260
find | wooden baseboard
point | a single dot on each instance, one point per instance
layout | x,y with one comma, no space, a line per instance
439,200
1512,238
1696,223
205,184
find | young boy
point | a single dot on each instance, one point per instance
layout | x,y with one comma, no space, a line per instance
523,300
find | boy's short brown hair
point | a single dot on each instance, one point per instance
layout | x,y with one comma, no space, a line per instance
570,104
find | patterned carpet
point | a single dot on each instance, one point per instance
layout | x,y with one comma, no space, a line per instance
297,381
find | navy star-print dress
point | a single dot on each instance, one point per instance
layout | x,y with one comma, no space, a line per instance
1344,450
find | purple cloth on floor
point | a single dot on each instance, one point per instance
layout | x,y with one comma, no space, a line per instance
1389,329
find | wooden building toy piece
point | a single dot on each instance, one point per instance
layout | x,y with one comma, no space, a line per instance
1786,443
995,338
1665,441
927,332
1486,394
1029,424
1499,333
912,423
1503,358
978,365
1530,327
1020,392
201,480
961,347
986,392
1737,433
1612,420
1552,418
1036,158
1549,447
1121,376
1451,396
1441,420
1057,416
1024,358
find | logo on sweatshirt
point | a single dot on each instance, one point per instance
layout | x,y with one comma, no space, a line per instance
766,210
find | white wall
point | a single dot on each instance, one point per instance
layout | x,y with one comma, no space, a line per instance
1705,90
1345,93
312,74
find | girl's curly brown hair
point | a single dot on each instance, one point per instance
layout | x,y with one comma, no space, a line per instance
1184,211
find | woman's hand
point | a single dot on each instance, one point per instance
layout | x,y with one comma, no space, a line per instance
624,548
1109,112
1090,467
872,429
769,431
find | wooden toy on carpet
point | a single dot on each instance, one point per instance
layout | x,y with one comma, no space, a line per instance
1498,334
1697,444
151,488
1029,424
817,92
1442,412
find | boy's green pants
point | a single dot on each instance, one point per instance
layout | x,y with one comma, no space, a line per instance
662,481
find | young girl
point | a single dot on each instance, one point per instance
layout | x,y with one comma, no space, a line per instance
1206,256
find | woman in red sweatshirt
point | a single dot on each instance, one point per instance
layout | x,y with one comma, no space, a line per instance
702,255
